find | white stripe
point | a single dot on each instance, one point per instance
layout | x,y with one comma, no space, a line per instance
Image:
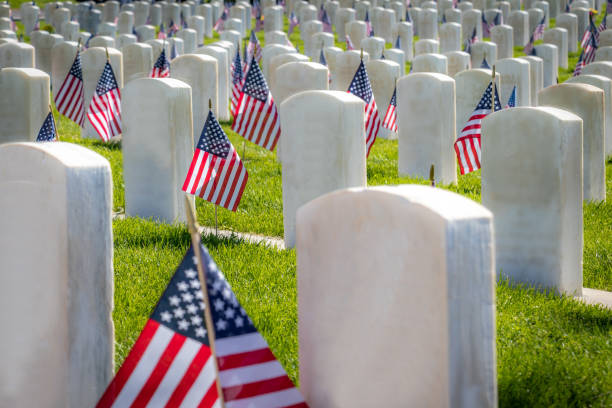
290,396
223,166
240,344
145,367
175,373
200,386
236,191
213,176
252,373
229,172
206,165
195,172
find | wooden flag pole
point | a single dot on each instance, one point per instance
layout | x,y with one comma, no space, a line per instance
192,224
79,45
432,182
107,57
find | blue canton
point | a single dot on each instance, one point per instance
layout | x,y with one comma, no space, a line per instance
47,132
393,99
75,69
360,86
162,61
512,99
322,58
255,84
213,139
485,64
485,101
237,78
107,81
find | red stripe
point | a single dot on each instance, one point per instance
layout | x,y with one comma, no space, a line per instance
190,172
195,368
160,370
130,363
257,388
299,405
203,165
241,190
209,175
236,170
226,168
210,398
244,359
458,153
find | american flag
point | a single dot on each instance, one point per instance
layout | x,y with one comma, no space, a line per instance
256,117
567,7
512,100
408,19
468,43
161,68
589,32
221,21
48,131
397,44
173,29
579,65
485,64
368,24
216,173
390,120
162,33
69,97
293,22
485,26
360,86
323,61
590,50
104,111
467,146
327,25
253,48
171,364
349,43
529,47
173,51
604,24
86,45
539,30
237,81
259,20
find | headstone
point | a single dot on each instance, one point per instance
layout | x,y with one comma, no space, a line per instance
307,13
155,15
23,113
67,310
43,47
544,6
346,64
397,56
586,102
110,10
383,75
428,25
386,21
343,16
605,38
471,19
605,84
535,16
29,17
457,61
536,77
93,61
469,87
125,22
583,19
157,147
107,30
102,41
189,37
137,61
540,170
549,54
141,13
506,9
16,55
200,72
430,63
145,33
222,57
558,37
94,19
426,47
404,31
125,39
433,243
171,13
603,68
481,50
307,30
414,13
426,137
374,46
233,37
236,25
70,30
60,16
62,57
198,24
330,126
450,37
502,36
519,20
273,18
270,51
514,73
453,15
205,10
356,30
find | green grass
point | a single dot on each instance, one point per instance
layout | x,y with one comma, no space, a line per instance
551,351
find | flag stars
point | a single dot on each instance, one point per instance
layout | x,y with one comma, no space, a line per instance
196,320
202,306
219,305
179,312
191,273
239,321
187,297
166,316
221,324
191,308
229,313
200,332
183,324
174,300
195,284
199,295
182,286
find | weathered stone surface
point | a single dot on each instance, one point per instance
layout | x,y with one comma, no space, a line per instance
328,126
550,56
157,147
514,73
519,20
481,50
586,102
137,61
62,58
450,37
438,244
503,37
430,63
16,55
426,136
383,76
558,36
570,23
344,68
457,61
540,169
222,57
536,77
64,293
426,47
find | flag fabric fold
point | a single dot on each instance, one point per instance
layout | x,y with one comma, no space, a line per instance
360,86
390,120
161,68
69,97
48,130
104,111
237,82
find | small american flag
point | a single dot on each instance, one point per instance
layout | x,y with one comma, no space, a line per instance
397,44
512,100
327,25
69,97
368,24
390,120
468,43
253,48
104,111
590,50
256,117
162,33
237,81
293,22
173,29
604,24
360,86
579,64
171,364
467,146
216,173
221,21
48,131
539,30
528,50
161,68
349,43
485,64
486,28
